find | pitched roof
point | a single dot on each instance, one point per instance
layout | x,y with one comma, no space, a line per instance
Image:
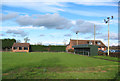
74,42
21,45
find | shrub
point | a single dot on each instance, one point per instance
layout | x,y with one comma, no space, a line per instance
71,50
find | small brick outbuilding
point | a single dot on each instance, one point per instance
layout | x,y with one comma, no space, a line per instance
20,47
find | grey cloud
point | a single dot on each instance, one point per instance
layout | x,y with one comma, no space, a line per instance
17,32
113,36
55,21
42,35
88,37
68,35
49,21
14,35
85,27
98,33
4,17
2,34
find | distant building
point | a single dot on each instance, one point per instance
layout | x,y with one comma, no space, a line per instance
100,44
20,47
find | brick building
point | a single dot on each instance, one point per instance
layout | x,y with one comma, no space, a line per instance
20,47
99,43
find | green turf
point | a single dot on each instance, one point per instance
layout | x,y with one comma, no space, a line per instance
56,66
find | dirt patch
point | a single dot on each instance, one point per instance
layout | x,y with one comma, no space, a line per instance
85,71
80,72
4,74
38,67
103,71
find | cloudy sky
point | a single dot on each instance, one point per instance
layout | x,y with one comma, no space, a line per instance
54,22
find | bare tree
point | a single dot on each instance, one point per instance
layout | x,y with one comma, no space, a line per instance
64,41
39,43
26,39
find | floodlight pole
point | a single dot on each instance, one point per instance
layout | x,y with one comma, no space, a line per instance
77,38
94,34
107,21
108,38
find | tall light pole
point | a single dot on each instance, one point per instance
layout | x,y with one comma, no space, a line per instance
107,21
94,34
77,36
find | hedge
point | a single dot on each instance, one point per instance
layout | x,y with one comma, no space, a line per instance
116,54
51,48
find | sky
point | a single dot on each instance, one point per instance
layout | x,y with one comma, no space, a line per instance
54,22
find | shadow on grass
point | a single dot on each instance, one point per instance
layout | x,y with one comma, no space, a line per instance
117,77
50,62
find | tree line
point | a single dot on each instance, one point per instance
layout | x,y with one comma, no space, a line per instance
7,44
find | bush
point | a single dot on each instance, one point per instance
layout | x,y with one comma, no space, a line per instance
117,54
7,43
71,50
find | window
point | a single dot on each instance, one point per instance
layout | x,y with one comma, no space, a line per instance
25,48
102,48
90,42
15,48
20,48
98,43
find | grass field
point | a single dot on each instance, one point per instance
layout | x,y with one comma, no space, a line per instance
50,65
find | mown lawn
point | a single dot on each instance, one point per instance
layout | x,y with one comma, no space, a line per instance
51,65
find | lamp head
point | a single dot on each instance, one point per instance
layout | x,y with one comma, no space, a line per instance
77,32
106,22
108,18
111,17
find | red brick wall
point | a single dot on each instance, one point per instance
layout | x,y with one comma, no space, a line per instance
17,50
